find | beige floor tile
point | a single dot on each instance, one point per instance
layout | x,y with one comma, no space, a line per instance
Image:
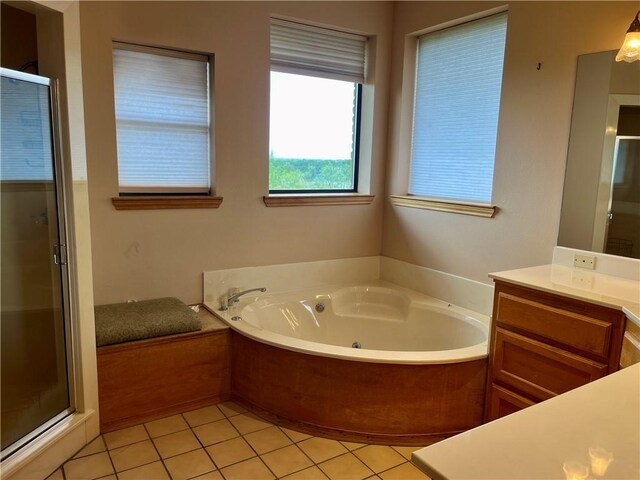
321,449
252,469
215,432
165,426
406,471
286,460
345,467
248,422
189,465
88,468
294,435
176,443
406,451
152,471
134,455
126,436
109,477
230,452
311,473
379,457
57,475
210,476
267,440
95,446
230,408
351,446
203,415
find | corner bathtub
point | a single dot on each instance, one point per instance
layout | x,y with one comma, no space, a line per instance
375,363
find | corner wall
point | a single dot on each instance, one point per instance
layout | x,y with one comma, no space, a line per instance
145,254
533,135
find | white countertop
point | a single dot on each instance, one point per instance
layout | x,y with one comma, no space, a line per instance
633,313
535,442
586,285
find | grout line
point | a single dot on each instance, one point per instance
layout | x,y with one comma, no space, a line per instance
157,451
107,451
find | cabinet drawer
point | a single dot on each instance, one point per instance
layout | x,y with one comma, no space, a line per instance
574,330
537,369
503,402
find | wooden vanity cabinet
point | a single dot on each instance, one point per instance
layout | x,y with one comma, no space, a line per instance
542,345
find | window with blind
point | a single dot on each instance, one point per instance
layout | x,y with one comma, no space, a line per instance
455,121
316,86
162,120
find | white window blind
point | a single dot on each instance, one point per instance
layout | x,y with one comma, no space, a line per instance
457,99
322,52
162,120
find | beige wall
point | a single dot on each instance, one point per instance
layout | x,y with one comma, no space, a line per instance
532,139
145,254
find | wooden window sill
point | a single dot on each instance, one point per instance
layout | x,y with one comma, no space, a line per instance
308,200
427,204
165,202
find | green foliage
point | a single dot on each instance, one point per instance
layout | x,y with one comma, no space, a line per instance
305,174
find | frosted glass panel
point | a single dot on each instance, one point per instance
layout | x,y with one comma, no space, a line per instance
458,84
162,118
26,132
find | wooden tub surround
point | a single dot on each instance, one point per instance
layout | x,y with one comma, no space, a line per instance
381,403
150,379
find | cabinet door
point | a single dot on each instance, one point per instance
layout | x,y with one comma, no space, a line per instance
538,369
502,402
585,334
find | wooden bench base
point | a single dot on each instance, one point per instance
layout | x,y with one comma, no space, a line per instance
151,379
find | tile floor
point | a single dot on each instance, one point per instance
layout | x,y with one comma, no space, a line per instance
225,442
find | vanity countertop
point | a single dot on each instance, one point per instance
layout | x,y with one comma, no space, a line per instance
535,442
633,313
586,285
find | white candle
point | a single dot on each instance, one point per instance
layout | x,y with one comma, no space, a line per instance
575,471
600,460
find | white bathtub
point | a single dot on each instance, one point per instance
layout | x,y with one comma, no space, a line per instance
391,324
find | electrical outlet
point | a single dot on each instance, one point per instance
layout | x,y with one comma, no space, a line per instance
584,261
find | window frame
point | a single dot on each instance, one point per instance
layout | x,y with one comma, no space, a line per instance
133,200
355,159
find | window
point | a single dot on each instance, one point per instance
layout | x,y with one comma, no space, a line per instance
316,85
162,120
455,120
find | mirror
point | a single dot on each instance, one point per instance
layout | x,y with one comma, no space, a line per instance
601,199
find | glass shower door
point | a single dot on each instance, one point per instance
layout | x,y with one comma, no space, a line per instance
34,333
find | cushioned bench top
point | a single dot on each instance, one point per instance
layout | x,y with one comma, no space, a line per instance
125,322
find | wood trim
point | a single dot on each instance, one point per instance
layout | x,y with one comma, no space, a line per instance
411,201
153,202
304,200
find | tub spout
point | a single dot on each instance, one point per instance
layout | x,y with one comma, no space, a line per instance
235,298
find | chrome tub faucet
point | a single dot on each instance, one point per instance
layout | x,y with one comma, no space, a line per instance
235,298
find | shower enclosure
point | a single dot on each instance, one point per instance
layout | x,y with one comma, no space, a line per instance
36,364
